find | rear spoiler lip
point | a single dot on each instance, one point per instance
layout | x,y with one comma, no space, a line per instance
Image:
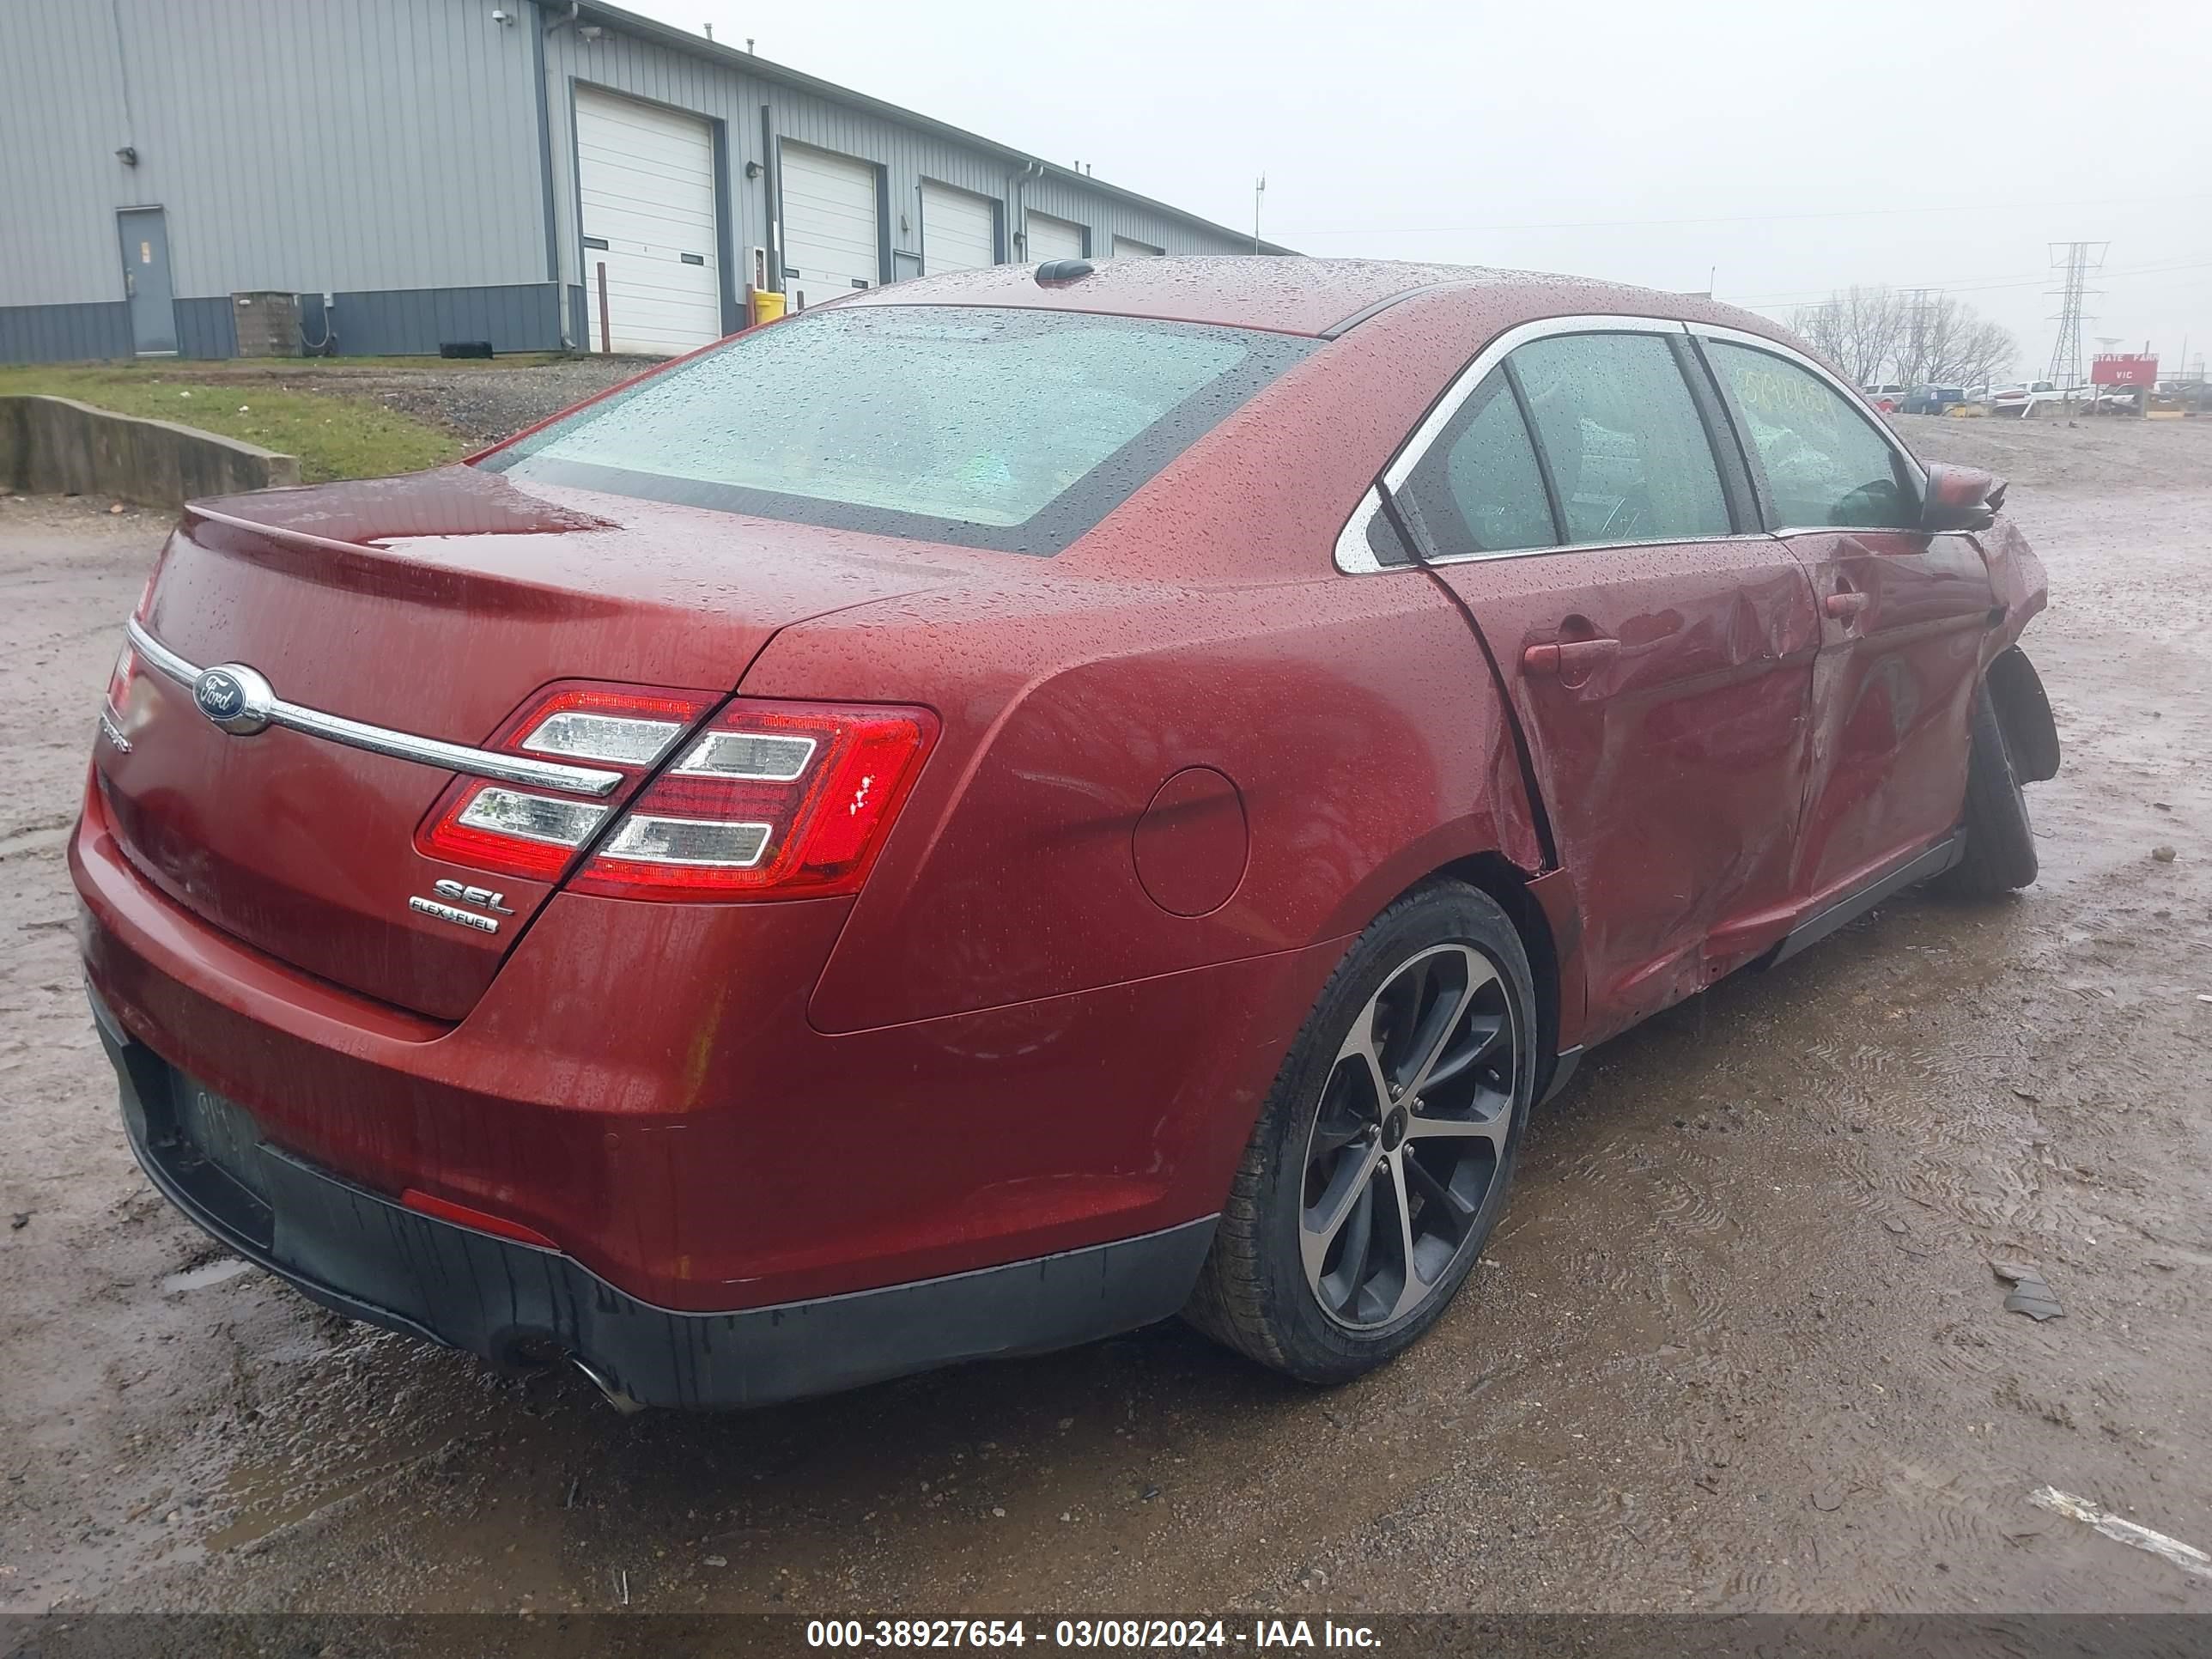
203,512
407,574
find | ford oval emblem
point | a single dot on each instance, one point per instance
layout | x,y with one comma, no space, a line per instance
219,696
235,698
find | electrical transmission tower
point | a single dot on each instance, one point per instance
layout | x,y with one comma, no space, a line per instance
2079,260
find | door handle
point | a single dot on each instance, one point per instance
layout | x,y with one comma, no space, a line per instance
1568,658
1845,606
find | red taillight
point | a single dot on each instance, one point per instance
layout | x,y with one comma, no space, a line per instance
772,800
119,681
513,829
118,706
142,611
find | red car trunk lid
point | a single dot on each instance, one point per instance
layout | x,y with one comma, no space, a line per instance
433,605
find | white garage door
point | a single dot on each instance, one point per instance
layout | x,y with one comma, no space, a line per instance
959,232
646,177
1128,247
830,241
1054,239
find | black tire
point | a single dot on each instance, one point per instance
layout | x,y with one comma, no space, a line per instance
1445,1177
2000,853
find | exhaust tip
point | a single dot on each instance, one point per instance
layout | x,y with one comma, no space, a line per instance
627,1405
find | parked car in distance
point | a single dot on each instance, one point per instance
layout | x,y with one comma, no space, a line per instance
2115,400
1934,399
2018,398
1888,397
1010,805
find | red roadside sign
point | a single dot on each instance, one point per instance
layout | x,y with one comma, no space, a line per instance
2123,369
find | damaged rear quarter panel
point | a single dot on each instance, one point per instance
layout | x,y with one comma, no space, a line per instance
1354,718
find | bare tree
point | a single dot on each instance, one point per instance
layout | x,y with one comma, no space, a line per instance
1959,347
1858,329
1875,334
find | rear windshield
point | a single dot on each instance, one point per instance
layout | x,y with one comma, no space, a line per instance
1010,429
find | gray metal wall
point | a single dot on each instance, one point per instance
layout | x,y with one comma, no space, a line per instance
54,334
347,145
389,151
724,93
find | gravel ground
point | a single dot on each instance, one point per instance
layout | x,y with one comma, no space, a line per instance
485,405
2040,457
1737,1345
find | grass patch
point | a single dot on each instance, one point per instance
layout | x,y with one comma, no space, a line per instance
272,368
333,437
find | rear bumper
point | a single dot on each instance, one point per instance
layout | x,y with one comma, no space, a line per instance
515,1304
641,1087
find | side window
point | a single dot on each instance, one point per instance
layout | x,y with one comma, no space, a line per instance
1628,453
1825,465
1478,489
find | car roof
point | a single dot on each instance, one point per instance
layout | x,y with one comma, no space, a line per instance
1296,295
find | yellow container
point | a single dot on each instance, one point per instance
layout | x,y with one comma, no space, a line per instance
766,304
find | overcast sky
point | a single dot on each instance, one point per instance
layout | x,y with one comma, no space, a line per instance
1791,146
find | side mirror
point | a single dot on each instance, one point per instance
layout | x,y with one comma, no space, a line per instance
1961,498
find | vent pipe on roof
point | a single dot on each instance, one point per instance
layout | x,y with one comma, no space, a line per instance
1017,213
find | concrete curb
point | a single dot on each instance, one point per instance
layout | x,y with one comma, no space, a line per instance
57,446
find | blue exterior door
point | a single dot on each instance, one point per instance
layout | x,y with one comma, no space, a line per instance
145,237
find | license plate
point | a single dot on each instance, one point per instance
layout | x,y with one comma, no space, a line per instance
222,1132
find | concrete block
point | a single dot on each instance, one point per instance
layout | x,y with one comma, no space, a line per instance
57,446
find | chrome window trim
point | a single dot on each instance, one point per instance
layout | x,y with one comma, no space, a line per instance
396,745
1787,531
1354,557
1374,567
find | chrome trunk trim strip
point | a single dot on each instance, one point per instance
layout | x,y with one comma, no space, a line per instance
383,740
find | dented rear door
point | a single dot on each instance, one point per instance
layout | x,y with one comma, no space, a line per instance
1659,658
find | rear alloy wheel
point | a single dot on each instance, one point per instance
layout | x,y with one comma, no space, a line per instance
1382,1161
1410,1138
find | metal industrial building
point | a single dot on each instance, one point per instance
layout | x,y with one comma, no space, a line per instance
423,173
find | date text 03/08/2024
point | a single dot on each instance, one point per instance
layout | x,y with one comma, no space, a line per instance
1162,1634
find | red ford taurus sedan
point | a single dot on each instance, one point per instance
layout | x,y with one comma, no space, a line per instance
1011,806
